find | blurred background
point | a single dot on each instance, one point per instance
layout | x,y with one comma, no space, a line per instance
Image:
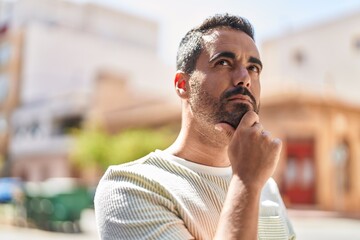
87,84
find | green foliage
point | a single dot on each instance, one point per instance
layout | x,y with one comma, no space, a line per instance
95,147
91,148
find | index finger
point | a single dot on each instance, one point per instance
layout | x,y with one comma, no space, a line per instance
249,119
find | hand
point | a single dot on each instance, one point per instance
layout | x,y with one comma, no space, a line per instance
252,151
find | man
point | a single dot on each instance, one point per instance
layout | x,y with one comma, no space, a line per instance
214,181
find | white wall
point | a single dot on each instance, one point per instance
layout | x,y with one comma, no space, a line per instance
90,18
331,62
58,60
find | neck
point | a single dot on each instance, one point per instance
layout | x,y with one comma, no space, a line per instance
199,144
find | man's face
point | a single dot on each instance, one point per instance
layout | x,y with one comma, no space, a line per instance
226,81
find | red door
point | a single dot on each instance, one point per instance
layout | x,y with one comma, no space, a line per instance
299,177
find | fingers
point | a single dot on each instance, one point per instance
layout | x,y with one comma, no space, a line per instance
250,124
276,143
252,151
265,133
249,119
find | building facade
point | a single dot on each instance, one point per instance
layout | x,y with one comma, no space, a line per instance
320,165
10,64
311,101
73,64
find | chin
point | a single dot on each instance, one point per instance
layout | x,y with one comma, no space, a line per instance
234,121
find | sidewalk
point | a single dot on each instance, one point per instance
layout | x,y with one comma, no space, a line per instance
313,224
308,225
87,223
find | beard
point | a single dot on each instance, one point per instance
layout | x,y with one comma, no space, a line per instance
213,110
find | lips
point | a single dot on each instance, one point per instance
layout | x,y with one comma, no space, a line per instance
240,97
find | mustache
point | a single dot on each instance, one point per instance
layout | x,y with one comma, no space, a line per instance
243,91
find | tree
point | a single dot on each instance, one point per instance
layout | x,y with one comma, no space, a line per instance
96,148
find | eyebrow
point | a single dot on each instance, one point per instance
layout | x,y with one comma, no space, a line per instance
222,54
233,56
255,60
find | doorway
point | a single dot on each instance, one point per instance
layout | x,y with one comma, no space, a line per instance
299,176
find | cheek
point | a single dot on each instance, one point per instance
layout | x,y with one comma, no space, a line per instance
218,84
256,89
201,82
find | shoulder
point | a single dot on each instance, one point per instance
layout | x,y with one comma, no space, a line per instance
148,174
126,187
130,196
149,167
129,175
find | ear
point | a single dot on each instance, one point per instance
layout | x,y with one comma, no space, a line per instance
180,82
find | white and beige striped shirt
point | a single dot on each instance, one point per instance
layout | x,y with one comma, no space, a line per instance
161,196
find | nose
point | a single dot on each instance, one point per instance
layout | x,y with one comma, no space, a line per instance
242,77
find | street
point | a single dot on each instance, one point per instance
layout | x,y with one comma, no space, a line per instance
308,225
87,224
311,225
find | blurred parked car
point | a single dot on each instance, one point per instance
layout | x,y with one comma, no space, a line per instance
56,204
10,188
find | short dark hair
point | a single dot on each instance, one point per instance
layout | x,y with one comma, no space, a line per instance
191,45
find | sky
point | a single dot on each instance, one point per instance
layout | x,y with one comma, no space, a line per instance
269,17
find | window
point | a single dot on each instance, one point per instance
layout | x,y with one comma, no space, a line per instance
341,159
28,130
4,86
356,43
299,57
66,124
34,129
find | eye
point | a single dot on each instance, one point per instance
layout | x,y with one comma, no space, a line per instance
223,62
254,68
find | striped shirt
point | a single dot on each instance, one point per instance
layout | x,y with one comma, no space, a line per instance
161,196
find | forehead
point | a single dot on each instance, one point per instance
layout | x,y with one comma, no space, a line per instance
229,40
